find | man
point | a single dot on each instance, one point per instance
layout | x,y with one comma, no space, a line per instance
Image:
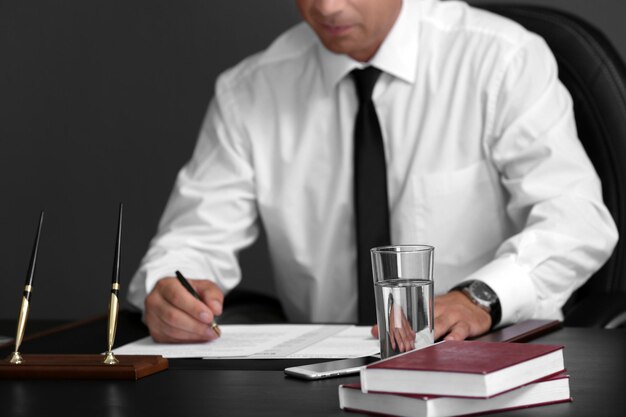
481,155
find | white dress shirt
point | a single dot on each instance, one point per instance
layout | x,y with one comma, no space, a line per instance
482,154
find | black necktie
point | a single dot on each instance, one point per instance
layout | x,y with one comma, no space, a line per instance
370,190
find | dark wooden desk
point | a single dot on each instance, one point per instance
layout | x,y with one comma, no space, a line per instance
595,360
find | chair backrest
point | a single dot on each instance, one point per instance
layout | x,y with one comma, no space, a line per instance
595,75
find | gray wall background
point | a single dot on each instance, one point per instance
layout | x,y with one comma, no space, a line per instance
100,102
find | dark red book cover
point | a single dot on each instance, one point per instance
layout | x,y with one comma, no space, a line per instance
466,357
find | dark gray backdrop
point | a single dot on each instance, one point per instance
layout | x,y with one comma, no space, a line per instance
100,102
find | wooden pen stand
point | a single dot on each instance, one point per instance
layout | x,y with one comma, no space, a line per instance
37,366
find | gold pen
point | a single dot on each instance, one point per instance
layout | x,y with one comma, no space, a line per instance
110,358
193,292
16,358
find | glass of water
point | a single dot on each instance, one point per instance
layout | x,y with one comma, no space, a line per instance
403,283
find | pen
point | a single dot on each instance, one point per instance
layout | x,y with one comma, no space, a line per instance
16,358
193,292
110,358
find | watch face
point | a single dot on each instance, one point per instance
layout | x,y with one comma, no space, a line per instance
480,291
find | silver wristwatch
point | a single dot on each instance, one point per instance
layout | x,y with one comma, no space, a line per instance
483,296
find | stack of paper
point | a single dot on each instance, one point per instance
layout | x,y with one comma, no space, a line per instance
272,341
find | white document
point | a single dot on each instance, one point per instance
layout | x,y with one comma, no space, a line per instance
268,341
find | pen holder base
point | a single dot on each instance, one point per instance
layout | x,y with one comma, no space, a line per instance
16,358
35,366
110,359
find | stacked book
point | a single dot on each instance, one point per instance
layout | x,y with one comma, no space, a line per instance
459,378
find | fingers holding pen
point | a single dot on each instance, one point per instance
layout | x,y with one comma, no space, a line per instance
210,294
175,315
184,300
213,297
168,329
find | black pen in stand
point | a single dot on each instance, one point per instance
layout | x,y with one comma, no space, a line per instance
16,358
110,359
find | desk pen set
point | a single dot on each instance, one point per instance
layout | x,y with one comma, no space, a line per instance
90,366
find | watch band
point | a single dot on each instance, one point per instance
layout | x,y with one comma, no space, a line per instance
490,303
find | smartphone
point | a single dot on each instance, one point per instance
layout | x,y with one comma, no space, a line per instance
330,369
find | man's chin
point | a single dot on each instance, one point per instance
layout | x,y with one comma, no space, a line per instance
339,46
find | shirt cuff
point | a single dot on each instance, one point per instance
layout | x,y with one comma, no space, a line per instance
513,285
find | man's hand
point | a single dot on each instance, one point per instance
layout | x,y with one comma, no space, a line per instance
174,315
401,335
457,317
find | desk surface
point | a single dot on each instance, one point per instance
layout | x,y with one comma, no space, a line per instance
594,358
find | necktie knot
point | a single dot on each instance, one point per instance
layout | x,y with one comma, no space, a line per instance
365,80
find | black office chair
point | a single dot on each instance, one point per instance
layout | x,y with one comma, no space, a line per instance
595,75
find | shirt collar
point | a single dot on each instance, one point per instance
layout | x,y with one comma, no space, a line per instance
396,56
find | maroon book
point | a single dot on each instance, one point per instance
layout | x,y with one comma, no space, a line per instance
550,390
464,368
